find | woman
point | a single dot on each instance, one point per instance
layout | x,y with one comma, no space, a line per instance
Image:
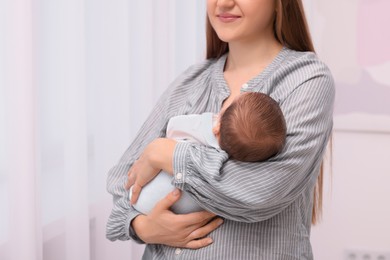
252,45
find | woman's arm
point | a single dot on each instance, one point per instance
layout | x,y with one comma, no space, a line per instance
252,192
122,214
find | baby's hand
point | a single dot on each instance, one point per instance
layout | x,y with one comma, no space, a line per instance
139,175
157,156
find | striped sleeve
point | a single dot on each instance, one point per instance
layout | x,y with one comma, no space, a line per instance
118,224
252,192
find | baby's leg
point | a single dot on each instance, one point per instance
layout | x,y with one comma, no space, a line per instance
157,189
153,192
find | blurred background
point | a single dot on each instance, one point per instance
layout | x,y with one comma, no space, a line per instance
79,77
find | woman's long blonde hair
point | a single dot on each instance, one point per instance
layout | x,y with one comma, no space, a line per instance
292,31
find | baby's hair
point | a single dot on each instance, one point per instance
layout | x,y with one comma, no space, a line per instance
252,128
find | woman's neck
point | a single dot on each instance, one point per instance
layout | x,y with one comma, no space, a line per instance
252,55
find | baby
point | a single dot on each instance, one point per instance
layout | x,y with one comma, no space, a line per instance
251,129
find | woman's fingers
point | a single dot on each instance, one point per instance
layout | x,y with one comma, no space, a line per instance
198,237
181,230
196,219
206,229
168,200
199,243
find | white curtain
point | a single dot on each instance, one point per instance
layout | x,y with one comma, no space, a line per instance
77,79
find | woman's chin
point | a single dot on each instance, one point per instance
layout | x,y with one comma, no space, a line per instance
227,37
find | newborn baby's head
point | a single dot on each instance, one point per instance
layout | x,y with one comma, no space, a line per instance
252,128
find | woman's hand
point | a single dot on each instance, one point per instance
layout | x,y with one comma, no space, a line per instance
162,226
157,156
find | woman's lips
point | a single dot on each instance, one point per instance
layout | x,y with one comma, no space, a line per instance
228,18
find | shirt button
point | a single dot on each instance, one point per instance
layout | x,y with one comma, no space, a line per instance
177,251
179,175
244,86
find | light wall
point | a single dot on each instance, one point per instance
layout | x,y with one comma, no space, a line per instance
353,39
357,197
